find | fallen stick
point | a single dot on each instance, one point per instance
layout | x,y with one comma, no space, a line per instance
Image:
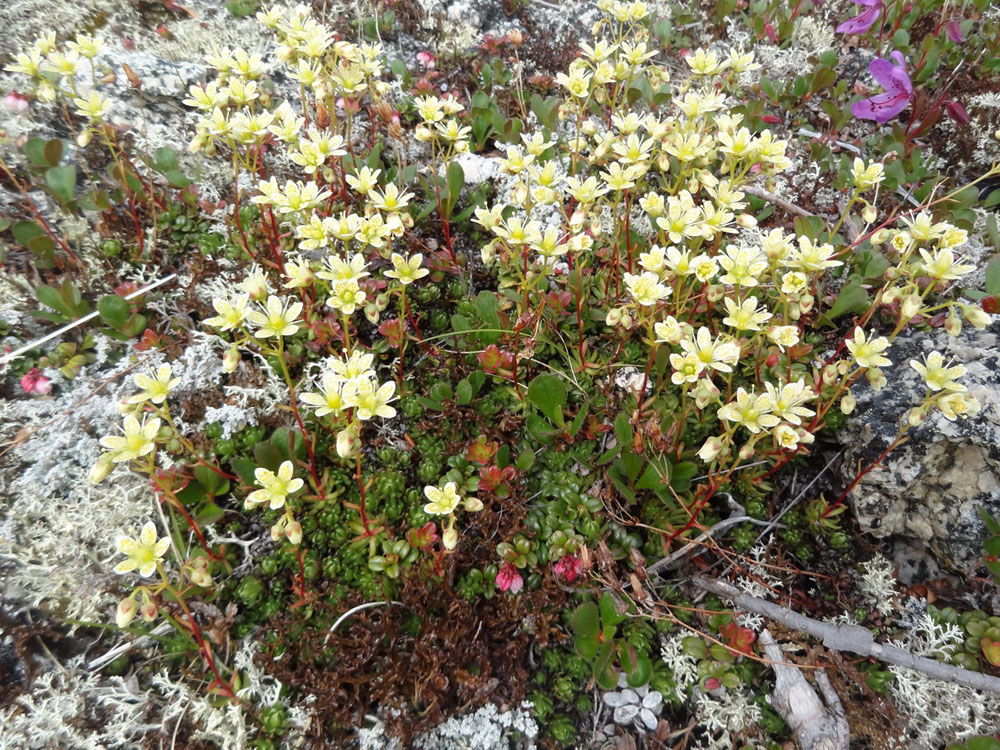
853,638
816,724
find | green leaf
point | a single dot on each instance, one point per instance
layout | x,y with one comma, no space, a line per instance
54,152
610,616
62,181
682,474
852,299
637,667
463,393
165,159
177,179
623,430
993,277
578,420
50,297
650,479
268,455
548,393
114,311
25,231
586,620
208,478
209,514
34,149
244,468
455,180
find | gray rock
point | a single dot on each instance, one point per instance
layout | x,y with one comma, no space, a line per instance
648,718
614,700
653,701
926,495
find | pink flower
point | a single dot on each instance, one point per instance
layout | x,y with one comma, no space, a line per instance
508,579
16,102
34,382
892,76
954,31
568,567
426,59
864,20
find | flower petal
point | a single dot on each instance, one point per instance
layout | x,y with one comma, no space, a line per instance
148,535
881,107
861,22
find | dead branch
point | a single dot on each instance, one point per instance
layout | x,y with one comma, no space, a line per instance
776,200
816,724
853,638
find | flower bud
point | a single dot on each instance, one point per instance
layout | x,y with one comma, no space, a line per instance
84,138
806,302
100,470
747,221
294,532
126,611
976,316
715,292
711,449
520,194
347,441
830,375
910,306
876,378
890,295
843,367
916,416
231,359
487,252
148,611
450,538
953,323
880,237
847,403
614,316
869,214
746,452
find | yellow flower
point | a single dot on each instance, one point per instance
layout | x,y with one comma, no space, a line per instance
406,270
942,265
751,410
687,368
277,319
143,554
646,288
94,107
138,440
231,313
364,181
275,487
329,400
368,401
745,316
955,405
155,386
936,375
866,175
743,265
443,500
346,296
715,353
868,353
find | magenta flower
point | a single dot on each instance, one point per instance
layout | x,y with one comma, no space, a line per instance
508,579
893,78
569,567
35,382
864,20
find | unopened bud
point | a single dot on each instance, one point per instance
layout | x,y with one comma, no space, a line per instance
347,441
747,221
847,403
869,214
830,375
910,306
916,416
450,538
614,316
715,292
890,295
711,449
126,611
148,611
953,323
294,532
806,302
100,470
876,378
746,452
231,359
520,195
976,316
880,237
84,138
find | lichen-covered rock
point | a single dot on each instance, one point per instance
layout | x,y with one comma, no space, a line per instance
928,491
